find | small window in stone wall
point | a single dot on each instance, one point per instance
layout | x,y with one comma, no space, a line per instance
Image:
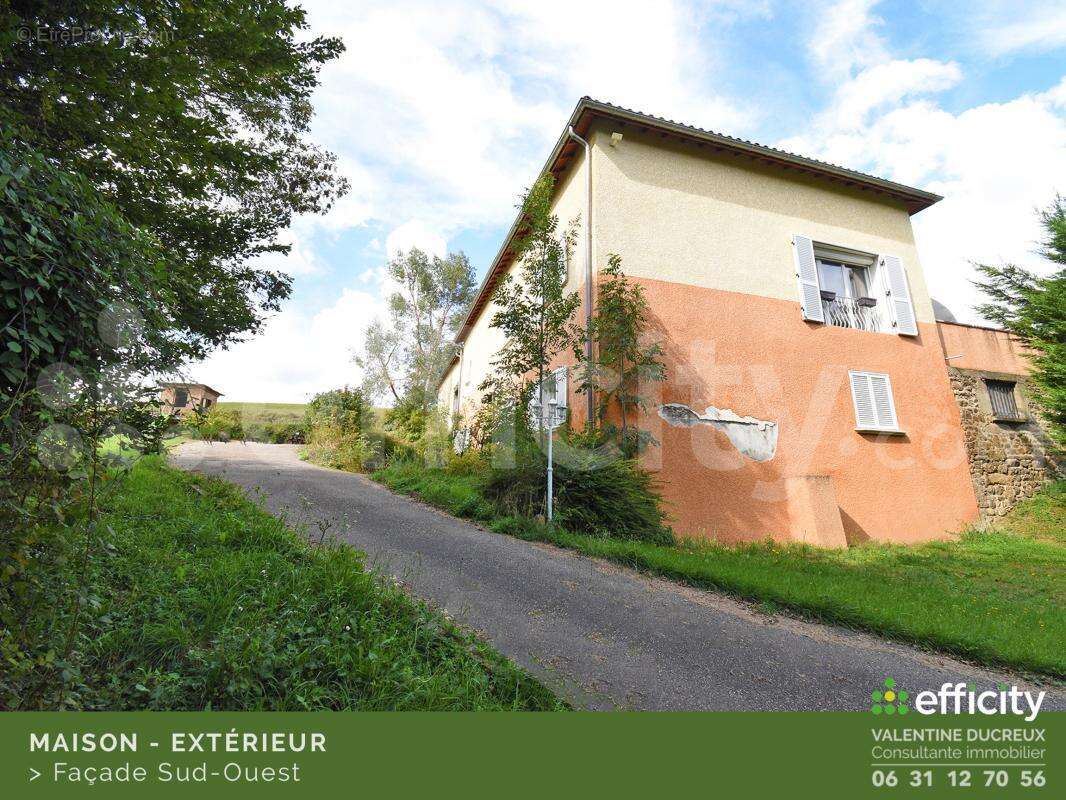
1001,396
181,398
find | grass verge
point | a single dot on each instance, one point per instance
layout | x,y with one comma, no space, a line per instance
993,596
198,598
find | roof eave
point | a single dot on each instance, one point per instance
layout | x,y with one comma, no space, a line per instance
915,199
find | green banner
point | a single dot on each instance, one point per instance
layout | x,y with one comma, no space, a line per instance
627,754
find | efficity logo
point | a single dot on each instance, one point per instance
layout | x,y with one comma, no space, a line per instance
888,700
957,698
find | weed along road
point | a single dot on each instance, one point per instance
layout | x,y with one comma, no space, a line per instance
601,636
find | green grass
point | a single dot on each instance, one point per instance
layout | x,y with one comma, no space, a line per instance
200,599
1042,517
172,442
993,596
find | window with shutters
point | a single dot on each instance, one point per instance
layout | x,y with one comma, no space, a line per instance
848,288
1002,398
181,398
875,409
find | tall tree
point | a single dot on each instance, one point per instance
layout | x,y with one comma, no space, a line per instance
1033,308
192,119
431,300
624,359
535,311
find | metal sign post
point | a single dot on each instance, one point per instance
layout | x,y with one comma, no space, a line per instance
552,417
551,480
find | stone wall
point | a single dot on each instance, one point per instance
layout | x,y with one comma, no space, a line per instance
1009,461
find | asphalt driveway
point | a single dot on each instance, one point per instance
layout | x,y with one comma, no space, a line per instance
600,635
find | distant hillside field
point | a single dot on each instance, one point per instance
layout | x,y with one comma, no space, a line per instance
264,413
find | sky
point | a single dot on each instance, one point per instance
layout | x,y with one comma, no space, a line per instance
441,113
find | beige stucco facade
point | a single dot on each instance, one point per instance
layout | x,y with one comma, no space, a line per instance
679,213
483,342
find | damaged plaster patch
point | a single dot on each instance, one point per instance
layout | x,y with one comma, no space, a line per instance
755,438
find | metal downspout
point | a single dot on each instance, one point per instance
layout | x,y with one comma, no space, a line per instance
588,264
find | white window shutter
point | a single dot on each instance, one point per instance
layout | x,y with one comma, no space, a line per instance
561,387
883,404
807,273
899,296
871,393
865,415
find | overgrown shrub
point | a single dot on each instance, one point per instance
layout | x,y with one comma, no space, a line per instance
331,446
85,319
276,432
335,431
471,461
437,444
604,496
407,420
388,448
217,424
345,408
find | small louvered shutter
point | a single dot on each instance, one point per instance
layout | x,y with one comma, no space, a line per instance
561,387
807,273
883,405
871,393
900,296
865,416
1001,396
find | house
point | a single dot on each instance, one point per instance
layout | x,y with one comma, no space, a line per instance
807,397
186,398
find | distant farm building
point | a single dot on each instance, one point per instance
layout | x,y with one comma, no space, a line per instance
187,398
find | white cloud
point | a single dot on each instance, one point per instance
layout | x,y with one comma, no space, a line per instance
887,83
415,234
846,37
296,355
445,115
851,55
1008,27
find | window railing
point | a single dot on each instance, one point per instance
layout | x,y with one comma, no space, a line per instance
848,312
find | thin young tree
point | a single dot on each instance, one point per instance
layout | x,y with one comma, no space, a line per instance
624,360
535,310
1033,308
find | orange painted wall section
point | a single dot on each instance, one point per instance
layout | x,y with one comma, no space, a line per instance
759,358
982,349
